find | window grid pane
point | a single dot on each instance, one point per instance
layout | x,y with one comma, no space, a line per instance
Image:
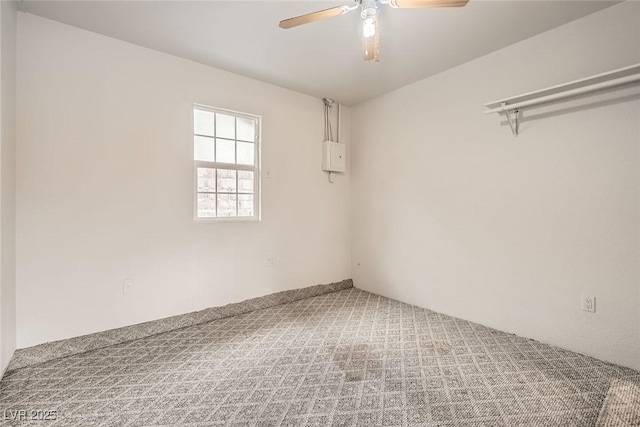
245,153
206,180
245,129
207,207
246,181
225,151
203,123
227,205
225,126
245,205
204,148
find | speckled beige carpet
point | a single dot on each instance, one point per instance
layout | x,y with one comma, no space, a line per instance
341,359
621,407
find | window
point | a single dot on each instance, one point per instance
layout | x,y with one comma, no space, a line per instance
226,150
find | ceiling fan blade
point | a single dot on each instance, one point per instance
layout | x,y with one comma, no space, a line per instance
428,3
315,16
368,46
376,44
371,46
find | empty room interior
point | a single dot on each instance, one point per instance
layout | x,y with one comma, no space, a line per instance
320,213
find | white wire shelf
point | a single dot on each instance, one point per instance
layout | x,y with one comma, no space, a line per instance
599,82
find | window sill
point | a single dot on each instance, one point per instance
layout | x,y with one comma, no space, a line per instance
231,219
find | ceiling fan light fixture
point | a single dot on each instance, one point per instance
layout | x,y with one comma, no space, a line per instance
369,27
369,14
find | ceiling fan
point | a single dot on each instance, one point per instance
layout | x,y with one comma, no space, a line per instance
369,14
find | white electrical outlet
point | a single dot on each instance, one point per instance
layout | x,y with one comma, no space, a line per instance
588,303
271,262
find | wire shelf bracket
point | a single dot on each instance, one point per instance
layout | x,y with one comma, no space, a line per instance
513,124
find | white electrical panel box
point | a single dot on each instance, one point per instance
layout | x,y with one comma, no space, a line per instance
333,157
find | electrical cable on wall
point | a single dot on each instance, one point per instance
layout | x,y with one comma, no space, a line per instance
333,152
328,132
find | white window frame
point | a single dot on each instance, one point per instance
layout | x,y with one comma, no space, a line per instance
257,211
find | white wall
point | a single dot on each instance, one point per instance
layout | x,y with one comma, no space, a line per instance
104,188
8,19
451,212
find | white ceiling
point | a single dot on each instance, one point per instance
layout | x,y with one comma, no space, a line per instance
322,58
